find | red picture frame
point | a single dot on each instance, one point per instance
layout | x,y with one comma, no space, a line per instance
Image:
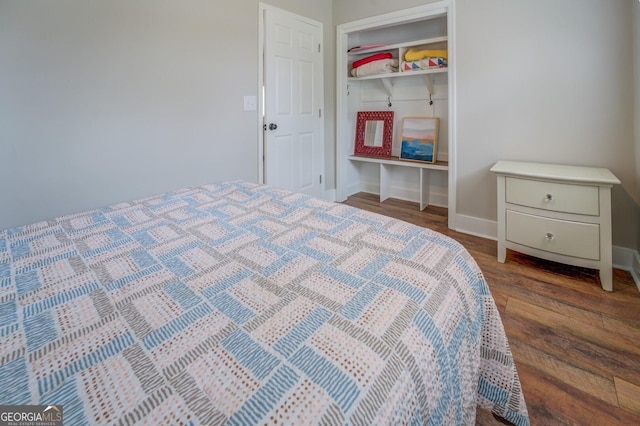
374,145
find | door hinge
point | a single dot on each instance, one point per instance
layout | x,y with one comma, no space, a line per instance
320,113
320,178
318,47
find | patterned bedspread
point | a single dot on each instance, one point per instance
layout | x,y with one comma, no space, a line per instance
242,304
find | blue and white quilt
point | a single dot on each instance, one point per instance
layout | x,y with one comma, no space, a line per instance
237,303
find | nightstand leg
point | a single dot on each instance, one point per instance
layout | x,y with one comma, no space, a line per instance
502,232
502,253
606,279
606,249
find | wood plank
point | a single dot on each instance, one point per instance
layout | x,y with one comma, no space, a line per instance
525,290
600,387
628,395
585,355
587,332
551,402
626,327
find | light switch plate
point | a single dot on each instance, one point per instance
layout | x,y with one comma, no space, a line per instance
250,103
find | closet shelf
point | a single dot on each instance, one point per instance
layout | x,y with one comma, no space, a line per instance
395,161
388,47
400,74
387,165
387,79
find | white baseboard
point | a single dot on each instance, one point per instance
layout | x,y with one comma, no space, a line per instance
478,227
634,269
623,258
439,200
628,260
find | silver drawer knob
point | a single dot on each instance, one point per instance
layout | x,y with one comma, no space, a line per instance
548,236
548,198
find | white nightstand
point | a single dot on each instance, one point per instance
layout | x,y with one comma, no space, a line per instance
555,212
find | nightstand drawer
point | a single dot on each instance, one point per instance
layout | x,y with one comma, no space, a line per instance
560,197
563,237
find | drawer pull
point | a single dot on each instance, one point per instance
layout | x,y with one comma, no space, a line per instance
548,236
548,198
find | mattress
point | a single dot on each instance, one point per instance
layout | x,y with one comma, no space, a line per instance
238,303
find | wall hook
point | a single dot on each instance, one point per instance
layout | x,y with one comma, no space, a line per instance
430,100
389,101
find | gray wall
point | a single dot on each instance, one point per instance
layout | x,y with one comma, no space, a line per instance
542,80
105,101
110,100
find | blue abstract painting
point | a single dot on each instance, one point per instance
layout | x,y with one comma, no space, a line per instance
417,149
419,139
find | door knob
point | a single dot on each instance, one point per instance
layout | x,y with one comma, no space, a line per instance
273,126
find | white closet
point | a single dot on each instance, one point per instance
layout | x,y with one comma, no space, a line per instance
417,93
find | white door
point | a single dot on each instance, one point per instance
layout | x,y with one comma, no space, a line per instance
293,99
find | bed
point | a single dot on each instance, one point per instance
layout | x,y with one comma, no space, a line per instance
237,303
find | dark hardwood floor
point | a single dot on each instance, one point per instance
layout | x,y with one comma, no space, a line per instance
576,347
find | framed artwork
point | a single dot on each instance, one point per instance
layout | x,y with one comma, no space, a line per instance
419,139
374,131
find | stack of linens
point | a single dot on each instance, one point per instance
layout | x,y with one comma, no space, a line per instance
424,59
379,63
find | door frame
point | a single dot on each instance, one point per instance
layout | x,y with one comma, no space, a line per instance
263,8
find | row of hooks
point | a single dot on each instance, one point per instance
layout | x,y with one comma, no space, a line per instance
388,86
389,104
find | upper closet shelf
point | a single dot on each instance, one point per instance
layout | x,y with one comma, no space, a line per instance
388,47
387,79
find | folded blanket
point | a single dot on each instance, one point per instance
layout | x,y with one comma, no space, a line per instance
414,55
368,59
384,66
424,64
